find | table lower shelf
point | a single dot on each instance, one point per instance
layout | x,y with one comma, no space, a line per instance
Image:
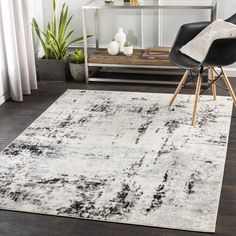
139,76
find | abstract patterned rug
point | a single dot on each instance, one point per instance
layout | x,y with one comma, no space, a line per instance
121,157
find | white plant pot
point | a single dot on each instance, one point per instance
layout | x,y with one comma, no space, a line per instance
120,37
128,51
113,48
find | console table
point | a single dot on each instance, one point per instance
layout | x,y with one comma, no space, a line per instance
101,59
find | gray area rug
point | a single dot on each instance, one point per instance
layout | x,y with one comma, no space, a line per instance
121,157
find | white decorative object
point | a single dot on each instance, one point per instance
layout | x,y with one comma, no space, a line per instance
199,46
120,37
113,48
128,49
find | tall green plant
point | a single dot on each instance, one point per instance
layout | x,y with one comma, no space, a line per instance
57,38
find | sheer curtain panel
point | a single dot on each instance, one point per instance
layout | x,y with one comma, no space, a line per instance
17,53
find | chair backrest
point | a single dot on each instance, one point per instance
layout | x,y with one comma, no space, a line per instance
232,19
222,51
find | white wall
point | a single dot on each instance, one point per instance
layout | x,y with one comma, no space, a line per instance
131,21
4,88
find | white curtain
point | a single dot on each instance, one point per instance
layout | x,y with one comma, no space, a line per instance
17,61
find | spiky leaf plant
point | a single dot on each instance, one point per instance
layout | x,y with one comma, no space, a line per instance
77,57
57,38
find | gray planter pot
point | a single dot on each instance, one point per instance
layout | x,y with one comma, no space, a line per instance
51,70
77,71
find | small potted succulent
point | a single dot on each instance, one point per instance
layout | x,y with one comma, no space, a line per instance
76,62
128,48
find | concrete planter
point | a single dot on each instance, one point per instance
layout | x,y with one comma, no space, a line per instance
51,70
77,71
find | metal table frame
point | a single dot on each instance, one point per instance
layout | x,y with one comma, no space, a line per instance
158,6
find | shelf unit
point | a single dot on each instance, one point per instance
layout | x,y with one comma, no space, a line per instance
101,59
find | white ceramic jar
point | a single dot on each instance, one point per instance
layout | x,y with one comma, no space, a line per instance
120,37
128,51
113,48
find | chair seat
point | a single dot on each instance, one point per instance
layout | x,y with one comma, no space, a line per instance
183,61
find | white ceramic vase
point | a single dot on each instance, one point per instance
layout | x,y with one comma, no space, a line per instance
113,48
128,51
120,37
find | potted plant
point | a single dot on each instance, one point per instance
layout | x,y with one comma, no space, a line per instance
128,48
76,62
55,41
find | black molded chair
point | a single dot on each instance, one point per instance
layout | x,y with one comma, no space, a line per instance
222,52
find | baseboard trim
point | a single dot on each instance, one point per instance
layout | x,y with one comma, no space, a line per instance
4,97
231,72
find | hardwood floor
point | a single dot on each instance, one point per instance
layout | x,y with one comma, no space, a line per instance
15,117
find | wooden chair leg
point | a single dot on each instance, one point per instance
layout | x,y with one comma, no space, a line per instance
181,84
197,94
229,87
212,78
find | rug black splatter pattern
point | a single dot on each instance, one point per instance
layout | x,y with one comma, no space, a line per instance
121,157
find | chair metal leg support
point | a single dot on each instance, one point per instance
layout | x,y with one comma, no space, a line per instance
197,93
229,87
213,79
181,84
